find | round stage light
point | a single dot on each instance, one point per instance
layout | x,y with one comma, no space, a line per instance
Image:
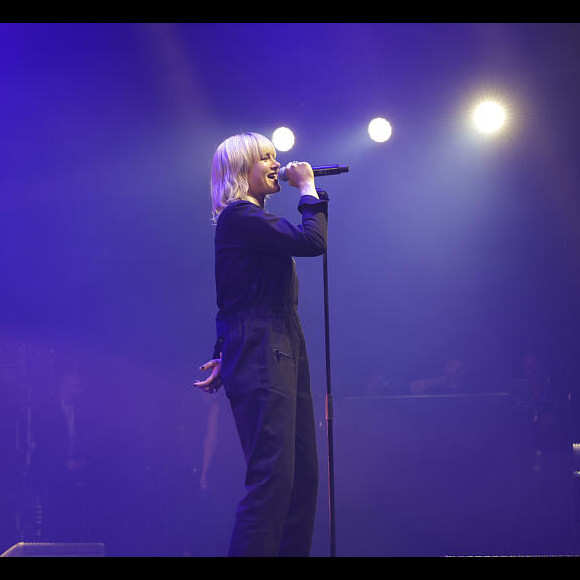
489,116
380,130
283,139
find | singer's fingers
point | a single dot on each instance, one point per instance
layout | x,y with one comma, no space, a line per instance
202,384
215,372
299,174
212,383
301,166
210,364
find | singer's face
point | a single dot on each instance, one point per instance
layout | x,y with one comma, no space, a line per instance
263,176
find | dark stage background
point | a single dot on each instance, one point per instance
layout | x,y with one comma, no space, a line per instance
442,244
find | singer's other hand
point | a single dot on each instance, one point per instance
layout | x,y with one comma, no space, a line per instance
213,382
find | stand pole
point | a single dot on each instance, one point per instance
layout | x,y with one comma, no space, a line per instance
329,413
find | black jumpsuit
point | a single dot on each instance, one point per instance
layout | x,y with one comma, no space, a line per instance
265,371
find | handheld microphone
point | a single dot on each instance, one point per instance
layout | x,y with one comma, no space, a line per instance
319,171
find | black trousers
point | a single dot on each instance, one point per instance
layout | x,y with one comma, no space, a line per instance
266,376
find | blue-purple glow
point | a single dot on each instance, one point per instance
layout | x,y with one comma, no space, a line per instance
441,245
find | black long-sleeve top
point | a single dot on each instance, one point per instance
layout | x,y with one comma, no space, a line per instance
254,249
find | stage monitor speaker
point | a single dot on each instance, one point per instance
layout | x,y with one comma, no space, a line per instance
54,550
425,475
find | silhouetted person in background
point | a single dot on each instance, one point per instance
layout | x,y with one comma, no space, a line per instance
453,380
61,461
541,405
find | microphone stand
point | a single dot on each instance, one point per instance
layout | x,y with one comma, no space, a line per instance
329,410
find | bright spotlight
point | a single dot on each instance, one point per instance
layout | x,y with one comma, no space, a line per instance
283,139
489,116
380,130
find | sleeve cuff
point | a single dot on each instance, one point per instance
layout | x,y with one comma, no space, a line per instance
309,201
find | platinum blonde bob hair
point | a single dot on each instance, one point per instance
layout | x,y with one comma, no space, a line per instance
230,167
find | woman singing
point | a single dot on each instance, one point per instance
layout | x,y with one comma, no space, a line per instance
260,355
